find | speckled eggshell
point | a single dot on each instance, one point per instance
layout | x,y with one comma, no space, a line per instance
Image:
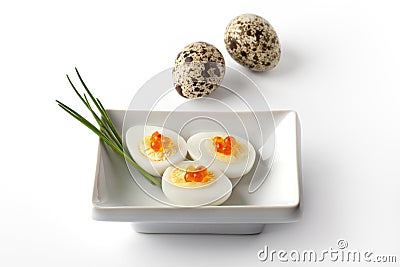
252,42
198,70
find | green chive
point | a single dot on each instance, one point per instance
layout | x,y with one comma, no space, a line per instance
106,131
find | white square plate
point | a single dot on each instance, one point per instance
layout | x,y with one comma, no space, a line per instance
116,196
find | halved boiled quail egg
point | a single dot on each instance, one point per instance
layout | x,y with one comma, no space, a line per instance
192,184
155,148
233,155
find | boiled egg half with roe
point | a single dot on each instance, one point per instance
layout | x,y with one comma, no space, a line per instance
155,148
192,184
232,155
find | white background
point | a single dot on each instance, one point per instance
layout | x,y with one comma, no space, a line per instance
339,70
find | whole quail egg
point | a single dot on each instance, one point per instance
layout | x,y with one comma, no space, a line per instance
198,70
252,42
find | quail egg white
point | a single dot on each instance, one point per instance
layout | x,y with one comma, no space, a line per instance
198,70
252,42
233,155
155,148
191,184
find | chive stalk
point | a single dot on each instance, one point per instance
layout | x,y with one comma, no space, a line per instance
106,130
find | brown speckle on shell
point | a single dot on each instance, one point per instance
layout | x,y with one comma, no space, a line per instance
252,42
179,89
198,70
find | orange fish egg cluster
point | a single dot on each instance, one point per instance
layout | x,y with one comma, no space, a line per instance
198,174
224,145
157,140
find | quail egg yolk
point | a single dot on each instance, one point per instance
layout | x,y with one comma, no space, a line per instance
192,176
198,174
158,147
226,146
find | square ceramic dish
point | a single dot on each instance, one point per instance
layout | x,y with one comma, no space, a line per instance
117,197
